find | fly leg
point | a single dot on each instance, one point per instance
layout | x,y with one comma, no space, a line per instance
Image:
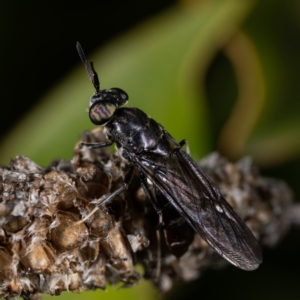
152,198
124,185
107,198
95,145
149,193
185,142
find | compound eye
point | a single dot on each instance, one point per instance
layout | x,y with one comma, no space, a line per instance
101,112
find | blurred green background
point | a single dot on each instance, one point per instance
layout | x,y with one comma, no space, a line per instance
222,74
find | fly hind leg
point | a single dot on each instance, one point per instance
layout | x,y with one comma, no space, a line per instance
151,196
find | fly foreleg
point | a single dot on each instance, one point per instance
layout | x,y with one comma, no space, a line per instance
95,145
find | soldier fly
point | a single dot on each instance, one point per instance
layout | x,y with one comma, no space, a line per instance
163,164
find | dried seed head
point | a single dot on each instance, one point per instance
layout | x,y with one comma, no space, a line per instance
54,238
66,232
35,258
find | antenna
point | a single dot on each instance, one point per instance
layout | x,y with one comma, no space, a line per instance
89,69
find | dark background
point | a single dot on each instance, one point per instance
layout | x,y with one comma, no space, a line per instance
38,50
36,34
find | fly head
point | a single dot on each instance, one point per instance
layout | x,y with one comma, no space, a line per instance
103,103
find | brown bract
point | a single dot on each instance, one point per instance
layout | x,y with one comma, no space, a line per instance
53,238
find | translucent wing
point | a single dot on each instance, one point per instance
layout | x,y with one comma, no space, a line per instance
200,203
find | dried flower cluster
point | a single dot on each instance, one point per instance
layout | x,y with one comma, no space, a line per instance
53,238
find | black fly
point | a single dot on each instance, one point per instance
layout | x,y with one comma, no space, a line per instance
165,167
